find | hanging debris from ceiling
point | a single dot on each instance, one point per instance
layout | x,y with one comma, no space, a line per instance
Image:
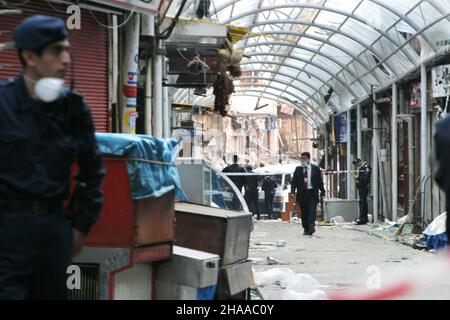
223,88
229,59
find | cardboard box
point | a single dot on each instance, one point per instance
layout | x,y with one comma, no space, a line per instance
286,216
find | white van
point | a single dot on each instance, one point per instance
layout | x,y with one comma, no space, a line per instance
283,174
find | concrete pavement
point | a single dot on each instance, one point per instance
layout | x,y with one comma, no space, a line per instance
339,257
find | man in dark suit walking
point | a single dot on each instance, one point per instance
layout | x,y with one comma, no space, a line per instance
307,181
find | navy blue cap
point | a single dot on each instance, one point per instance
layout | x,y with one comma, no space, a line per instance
36,32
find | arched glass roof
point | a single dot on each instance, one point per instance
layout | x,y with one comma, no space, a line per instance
300,49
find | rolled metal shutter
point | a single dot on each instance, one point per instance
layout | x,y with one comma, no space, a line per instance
90,52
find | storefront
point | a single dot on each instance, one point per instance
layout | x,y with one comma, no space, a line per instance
89,48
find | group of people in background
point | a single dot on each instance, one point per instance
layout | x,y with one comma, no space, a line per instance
307,187
250,184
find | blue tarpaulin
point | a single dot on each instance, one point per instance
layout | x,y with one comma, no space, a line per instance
150,163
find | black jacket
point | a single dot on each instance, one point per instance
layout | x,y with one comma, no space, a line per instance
239,181
39,145
269,185
363,180
442,172
316,182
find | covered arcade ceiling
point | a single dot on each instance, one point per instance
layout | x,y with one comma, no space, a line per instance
300,51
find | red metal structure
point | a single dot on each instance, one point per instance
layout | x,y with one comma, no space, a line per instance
129,236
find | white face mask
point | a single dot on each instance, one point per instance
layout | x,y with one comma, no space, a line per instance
49,89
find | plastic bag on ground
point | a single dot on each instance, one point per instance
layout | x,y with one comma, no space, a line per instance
298,286
272,276
294,295
437,226
337,220
303,283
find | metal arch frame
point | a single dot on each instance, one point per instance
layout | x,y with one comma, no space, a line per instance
326,56
245,85
314,110
319,103
353,93
283,83
183,92
283,75
406,19
261,94
270,96
304,35
316,7
331,29
245,88
356,96
382,33
407,42
266,15
300,70
403,17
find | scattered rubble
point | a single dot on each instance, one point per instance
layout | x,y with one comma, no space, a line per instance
298,286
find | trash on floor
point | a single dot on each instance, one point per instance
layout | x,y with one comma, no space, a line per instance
435,234
271,260
280,243
337,220
298,286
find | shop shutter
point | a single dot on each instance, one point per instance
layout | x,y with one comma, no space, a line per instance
89,47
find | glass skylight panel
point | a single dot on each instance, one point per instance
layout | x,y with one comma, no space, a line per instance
292,90
376,16
424,14
326,64
352,46
401,6
310,43
360,31
289,71
281,78
319,33
330,18
346,5
336,53
307,87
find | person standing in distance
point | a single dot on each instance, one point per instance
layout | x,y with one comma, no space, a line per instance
362,179
44,129
307,182
269,187
238,180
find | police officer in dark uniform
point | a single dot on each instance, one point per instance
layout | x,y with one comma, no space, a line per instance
251,191
362,179
442,173
44,129
238,180
269,186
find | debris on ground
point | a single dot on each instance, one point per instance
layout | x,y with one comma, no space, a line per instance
295,220
337,220
280,243
392,232
298,286
433,238
271,260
